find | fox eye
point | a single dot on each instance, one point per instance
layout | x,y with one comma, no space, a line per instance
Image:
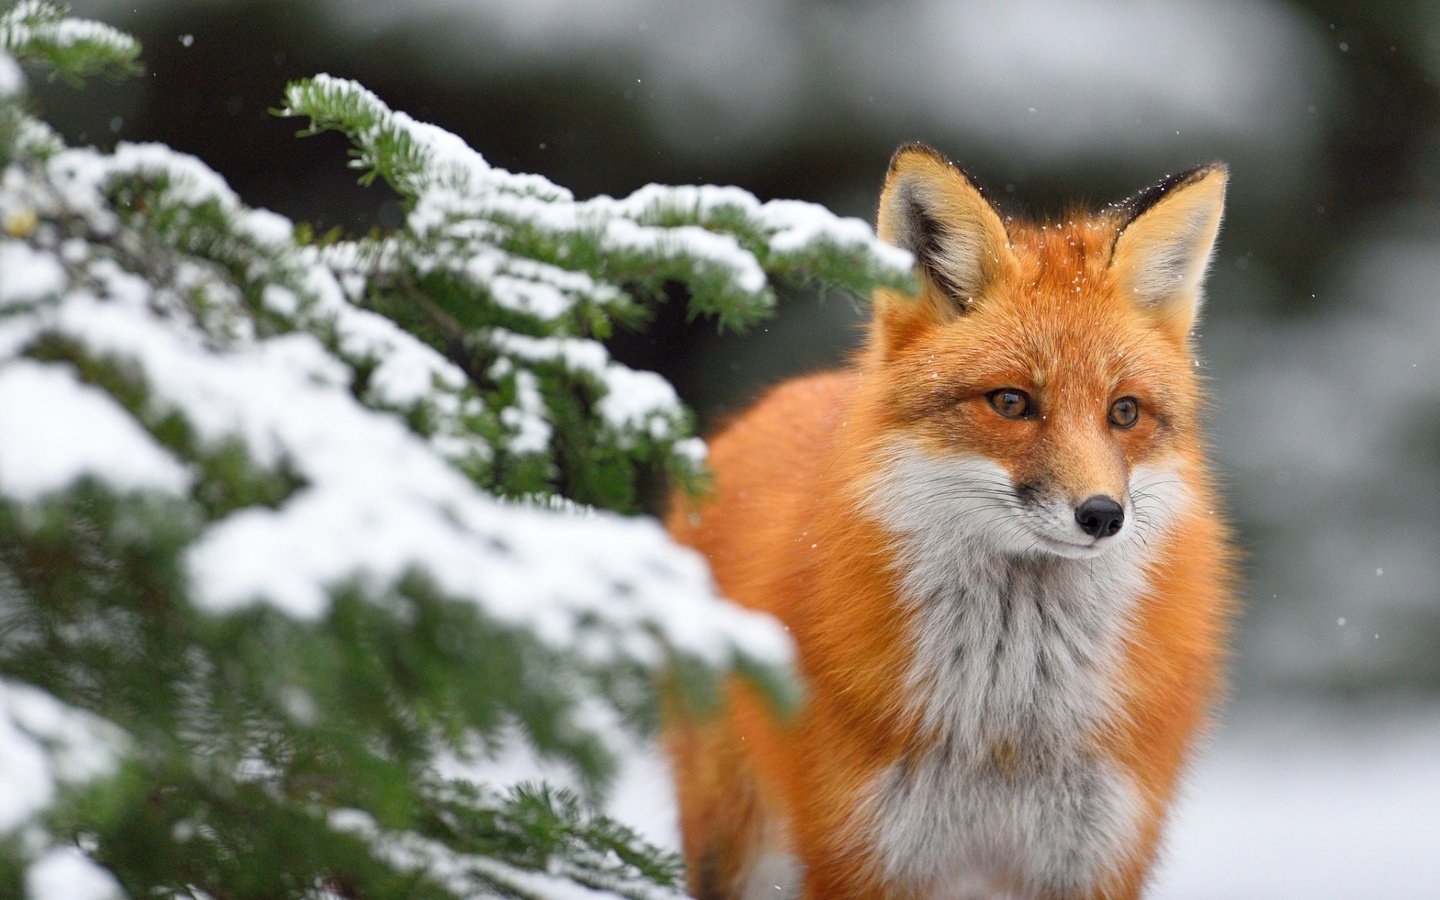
1124,412
1011,404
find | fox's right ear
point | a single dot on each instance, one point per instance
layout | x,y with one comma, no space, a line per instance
1165,241
935,211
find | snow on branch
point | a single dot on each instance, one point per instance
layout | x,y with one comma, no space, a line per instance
44,745
373,501
47,747
40,30
727,241
264,484
287,522
530,281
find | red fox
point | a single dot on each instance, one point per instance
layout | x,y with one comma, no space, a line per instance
996,545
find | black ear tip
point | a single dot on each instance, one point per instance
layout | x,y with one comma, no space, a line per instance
1131,208
1205,169
914,147
1195,173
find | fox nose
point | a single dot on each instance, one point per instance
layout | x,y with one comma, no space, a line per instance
1100,516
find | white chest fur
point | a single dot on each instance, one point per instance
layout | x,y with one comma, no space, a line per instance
1012,674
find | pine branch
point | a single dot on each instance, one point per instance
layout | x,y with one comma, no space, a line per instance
344,510
40,31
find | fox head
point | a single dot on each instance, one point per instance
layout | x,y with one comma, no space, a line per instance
1040,391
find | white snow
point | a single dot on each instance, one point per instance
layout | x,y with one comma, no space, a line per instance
28,275
1311,802
12,80
280,299
529,297
538,290
116,283
36,137
267,227
82,747
451,161
26,785
78,175
73,32
45,744
407,370
30,20
633,401
690,241
693,449
375,502
65,873
577,354
73,178
460,186
405,378
527,418
799,224
72,429
188,180
601,219
792,225
378,502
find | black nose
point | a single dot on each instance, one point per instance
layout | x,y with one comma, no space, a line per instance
1100,516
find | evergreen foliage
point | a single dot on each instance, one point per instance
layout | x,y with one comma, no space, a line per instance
297,532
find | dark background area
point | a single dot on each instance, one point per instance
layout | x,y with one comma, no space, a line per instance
1323,328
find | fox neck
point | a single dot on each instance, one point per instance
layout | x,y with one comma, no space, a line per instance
1013,672
1007,650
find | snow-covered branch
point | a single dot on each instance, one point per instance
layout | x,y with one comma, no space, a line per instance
285,524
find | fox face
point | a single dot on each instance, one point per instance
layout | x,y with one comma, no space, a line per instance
1040,392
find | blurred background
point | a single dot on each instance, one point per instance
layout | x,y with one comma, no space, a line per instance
1322,338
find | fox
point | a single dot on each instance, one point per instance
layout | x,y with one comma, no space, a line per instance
997,546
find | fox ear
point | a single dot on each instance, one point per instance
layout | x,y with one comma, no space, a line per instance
1165,241
932,209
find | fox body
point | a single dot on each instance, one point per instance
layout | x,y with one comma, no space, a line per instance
995,544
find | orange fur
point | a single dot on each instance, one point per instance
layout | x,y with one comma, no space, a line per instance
1065,311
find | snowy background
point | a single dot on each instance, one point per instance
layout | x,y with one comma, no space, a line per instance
1323,338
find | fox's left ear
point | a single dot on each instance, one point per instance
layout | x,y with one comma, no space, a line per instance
931,208
1165,243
